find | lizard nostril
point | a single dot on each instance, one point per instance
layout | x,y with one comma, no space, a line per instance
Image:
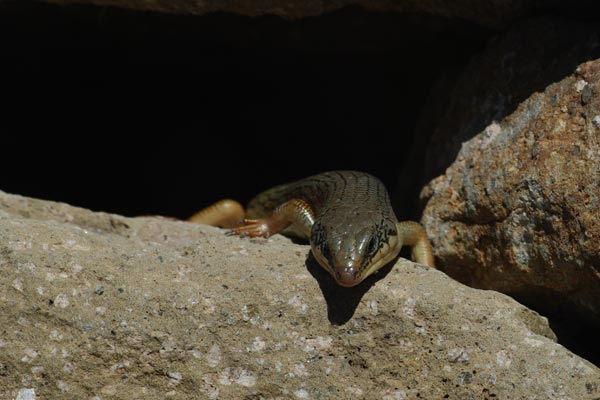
347,275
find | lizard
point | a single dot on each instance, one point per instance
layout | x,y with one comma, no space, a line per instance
346,216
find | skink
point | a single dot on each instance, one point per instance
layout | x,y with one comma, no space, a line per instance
346,216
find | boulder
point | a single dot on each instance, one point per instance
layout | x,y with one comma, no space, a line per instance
518,209
99,306
525,59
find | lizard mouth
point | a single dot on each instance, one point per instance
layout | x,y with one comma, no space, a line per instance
347,276
352,273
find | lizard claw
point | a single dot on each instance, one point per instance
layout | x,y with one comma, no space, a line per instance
252,228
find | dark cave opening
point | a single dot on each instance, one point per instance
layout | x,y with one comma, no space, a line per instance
141,113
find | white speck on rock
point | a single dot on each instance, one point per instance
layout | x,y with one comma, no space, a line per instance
195,353
249,313
579,85
301,394
533,342
55,335
26,394
30,354
38,370
258,344
100,310
62,386
240,376
61,300
489,134
373,307
246,379
409,307
420,330
596,121
27,266
175,376
68,367
503,359
295,300
318,343
213,357
20,245
458,355
354,391
399,395
41,290
225,377
298,370
18,285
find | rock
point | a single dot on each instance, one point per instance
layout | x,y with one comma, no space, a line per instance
493,13
518,209
526,59
94,305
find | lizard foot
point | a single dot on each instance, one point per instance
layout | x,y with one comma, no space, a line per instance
252,228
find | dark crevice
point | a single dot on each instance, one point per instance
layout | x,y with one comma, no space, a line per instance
572,328
144,113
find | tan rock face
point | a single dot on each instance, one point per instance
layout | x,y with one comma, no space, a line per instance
518,210
93,304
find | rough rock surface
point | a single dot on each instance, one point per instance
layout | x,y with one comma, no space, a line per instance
522,61
99,306
518,210
526,59
490,13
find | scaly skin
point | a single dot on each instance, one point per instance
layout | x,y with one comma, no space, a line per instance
346,216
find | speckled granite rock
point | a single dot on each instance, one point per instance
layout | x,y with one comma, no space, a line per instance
98,306
518,210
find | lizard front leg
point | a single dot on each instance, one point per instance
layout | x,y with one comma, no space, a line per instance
294,211
413,234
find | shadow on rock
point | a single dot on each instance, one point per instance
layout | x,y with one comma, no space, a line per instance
342,301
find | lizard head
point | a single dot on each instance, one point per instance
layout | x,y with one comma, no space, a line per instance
353,249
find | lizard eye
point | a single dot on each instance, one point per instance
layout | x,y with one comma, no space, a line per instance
373,245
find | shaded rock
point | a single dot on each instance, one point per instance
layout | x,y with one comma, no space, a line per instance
489,13
93,304
526,59
518,210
